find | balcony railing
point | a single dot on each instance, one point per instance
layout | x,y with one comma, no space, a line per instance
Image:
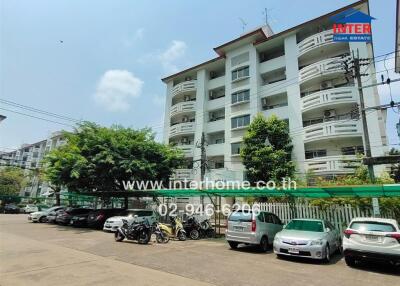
182,128
187,106
324,67
315,41
181,174
183,87
328,97
332,164
325,130
187,150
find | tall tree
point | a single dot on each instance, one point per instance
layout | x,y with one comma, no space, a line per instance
12,180
266,150
100,158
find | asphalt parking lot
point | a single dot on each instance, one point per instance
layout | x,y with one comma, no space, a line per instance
46,254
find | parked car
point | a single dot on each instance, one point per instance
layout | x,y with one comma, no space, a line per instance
64,217
375,239
41,216
311,238
11,209
244,226
30,209
52,215
113,223
97,218
79,220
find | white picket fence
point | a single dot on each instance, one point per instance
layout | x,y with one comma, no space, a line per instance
340,216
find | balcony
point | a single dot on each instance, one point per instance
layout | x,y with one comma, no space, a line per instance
182,129
329,97
321,69
315,41
184,87
187,150
332,129
182,107
215,149
181,174
332,164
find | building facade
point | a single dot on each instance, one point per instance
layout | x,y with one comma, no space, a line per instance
29,157
298,75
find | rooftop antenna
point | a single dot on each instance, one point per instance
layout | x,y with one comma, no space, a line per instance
266,15
244,24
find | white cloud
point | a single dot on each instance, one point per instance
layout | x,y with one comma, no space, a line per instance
174,52
116,88
169,58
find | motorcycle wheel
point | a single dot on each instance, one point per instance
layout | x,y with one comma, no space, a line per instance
210,233
144,237
118,236
194,234
162,238
181,236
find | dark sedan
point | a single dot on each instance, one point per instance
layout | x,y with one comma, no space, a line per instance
79,220
97,218
64,217
11,209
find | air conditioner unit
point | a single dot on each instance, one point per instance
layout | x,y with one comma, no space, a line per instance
329,113
264,101
327,84
184,140
186,98
213,74
188,78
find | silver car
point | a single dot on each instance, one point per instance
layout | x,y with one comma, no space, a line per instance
312,238
246,227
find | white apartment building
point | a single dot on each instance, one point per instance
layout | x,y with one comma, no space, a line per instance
29,157
295,74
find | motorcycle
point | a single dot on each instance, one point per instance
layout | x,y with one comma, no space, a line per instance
135,231
175,229
161,235
193,228
206,229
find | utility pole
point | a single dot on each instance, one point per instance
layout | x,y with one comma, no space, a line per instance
203,162
367,147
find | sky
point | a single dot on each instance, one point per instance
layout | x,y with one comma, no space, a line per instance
103,61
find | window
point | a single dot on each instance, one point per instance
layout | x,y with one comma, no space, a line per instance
219,165
315,154
269,219
240,73
240,121
235,148
261,217
372,226
306,225
219,141
353,150
277,220
241,96
240,59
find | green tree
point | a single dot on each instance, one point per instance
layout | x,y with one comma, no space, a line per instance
100,158
395,168
266,150
12,180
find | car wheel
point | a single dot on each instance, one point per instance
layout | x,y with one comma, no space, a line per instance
118,236
264,244
280,256
350,261
233,244
42,219
144,237
181,236
327,258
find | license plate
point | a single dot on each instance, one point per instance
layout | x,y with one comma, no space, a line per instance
294,250
373,238
238,228
107,225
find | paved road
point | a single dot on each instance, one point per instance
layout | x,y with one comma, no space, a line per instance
44,254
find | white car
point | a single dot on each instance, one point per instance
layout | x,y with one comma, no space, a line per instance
42,215
30,209
113,223
372,239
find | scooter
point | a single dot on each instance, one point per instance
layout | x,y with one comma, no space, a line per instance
161,235
175,229
193,228
135,231
206,229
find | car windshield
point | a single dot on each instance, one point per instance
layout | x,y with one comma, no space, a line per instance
372,226
306,225
245,216
138,213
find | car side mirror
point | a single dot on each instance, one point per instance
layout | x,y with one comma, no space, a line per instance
327,229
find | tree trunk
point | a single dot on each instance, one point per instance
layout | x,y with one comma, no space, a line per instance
57,195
